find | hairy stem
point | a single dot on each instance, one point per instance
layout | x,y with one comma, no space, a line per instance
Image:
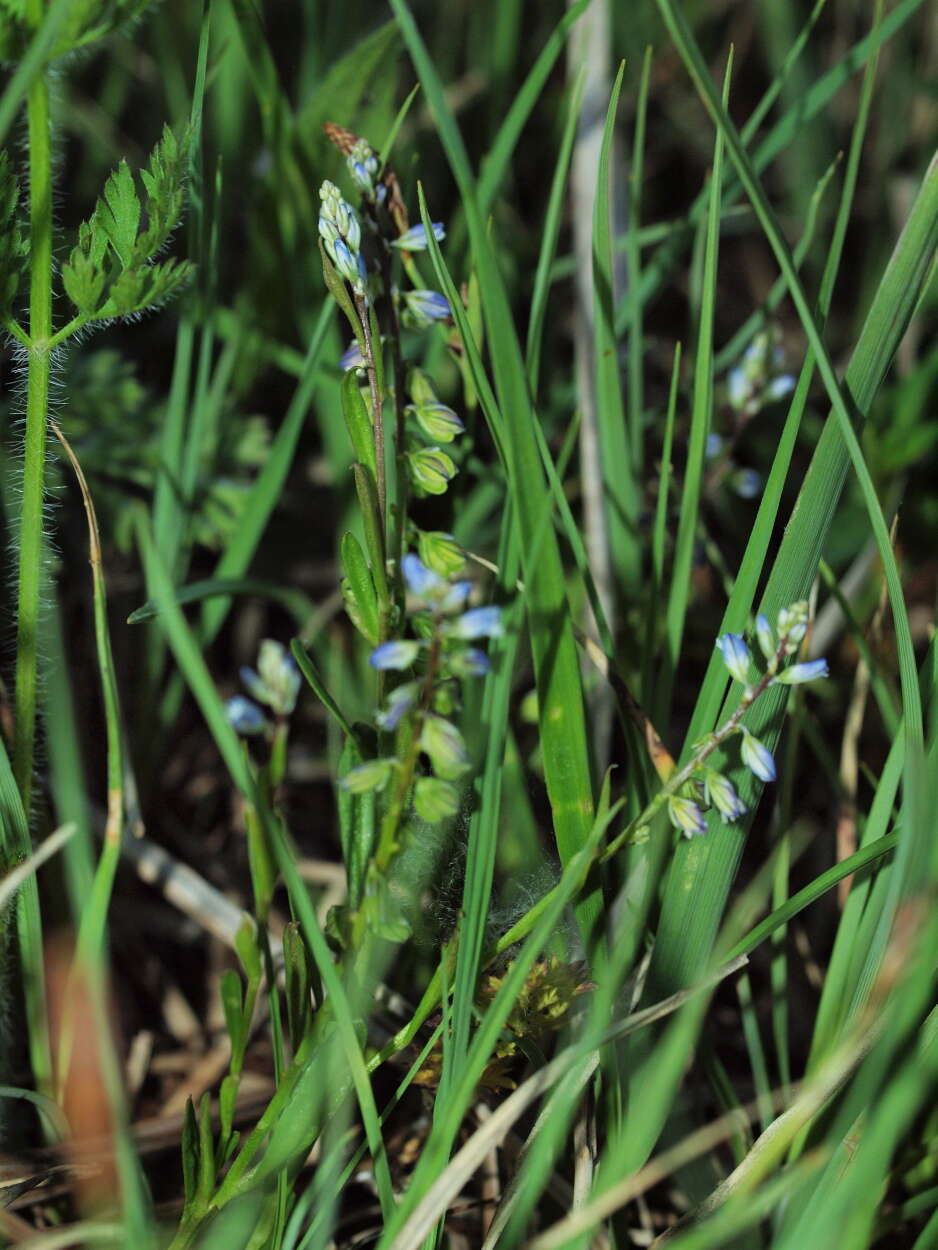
37,397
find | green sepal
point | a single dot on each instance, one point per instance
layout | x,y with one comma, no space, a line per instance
358,422
358,589
335,285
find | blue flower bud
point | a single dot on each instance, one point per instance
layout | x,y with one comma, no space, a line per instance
470,663
477,623
720,792
426,307
714,446
415,239
686,816
444,744
735,656
394,655
811,670
757,758
244,716
399,702
435,800
779,387
767,643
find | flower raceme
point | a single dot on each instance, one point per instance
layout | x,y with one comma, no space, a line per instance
776,647
438,609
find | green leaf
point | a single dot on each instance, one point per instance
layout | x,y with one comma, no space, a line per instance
190,1153
358,422
164,181
84,282
232,1001
297,983
358,589
138,289
118,214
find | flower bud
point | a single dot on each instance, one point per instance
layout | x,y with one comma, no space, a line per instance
435,799
372,775
415,239
757,758
431,470
398,655
244,716
686,816
444,744
735,656
811,670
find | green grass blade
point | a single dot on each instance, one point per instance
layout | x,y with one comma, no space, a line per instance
496,164
549,236
560,699
701,413
700,879
620,483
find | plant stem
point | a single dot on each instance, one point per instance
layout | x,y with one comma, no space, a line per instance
37,397
377,409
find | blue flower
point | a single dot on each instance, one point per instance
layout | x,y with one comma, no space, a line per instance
714,446
420,580
757,758
735,655
478,623
394,655
244,716
456,597
400,701
415,239
686,816
352,358
811,670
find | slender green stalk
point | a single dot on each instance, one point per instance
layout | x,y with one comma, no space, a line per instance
37,401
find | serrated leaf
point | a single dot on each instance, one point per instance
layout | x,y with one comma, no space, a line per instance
118,213
84,282
138,289
164,181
